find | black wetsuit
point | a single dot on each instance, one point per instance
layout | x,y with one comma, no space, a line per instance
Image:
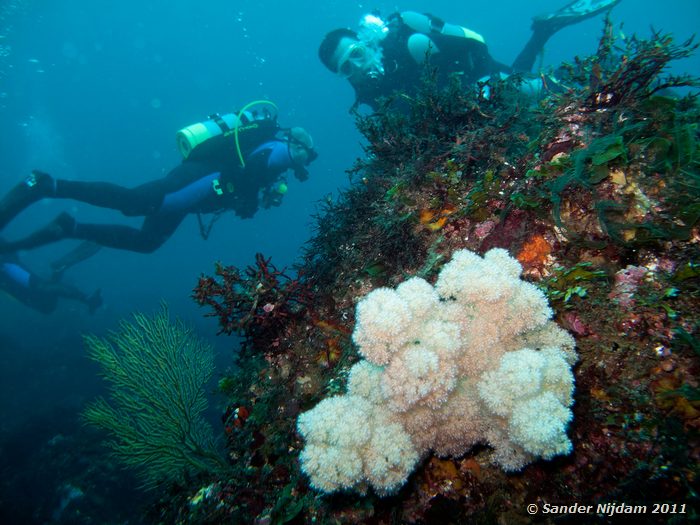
35,292
200,185
467,57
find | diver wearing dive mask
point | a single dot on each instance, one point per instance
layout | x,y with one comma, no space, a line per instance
300,147
361,55
384,57
360,58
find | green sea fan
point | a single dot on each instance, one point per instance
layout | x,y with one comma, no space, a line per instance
157,371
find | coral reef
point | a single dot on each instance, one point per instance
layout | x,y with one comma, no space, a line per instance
582,187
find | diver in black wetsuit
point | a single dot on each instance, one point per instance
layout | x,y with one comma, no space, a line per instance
388,56
216,177
38,293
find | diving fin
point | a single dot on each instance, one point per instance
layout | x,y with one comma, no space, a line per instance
33,188
572,13
83,251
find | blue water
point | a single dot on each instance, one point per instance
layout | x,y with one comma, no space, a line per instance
95,90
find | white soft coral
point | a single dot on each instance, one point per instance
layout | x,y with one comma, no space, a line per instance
473,359
352,440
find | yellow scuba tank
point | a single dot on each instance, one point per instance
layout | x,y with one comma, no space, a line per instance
192,136
229,131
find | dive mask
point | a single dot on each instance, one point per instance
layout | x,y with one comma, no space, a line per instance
359,57
301,151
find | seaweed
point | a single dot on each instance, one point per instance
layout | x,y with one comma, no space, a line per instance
596,188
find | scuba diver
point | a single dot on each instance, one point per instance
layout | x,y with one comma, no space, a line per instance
383,57
231,162
40,294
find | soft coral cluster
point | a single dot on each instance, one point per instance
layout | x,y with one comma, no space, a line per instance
472,359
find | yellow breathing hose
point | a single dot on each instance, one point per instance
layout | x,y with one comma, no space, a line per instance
238,123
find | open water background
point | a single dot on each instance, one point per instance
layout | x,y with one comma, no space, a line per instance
95,90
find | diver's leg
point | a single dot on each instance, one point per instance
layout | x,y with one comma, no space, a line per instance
154,232
145,199
54,290
544,26
58,289
141,200
35,187
526,59
62,227
18,282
